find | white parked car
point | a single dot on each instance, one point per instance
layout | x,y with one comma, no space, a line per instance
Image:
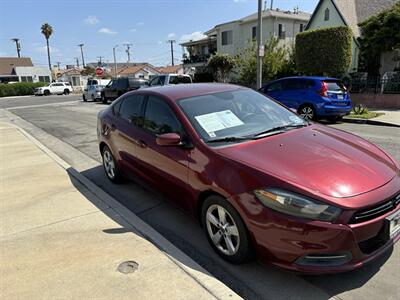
166,79
92,92
58,88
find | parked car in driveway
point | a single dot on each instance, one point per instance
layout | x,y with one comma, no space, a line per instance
259,178
166,79
119,86
92,92
312,97
58,88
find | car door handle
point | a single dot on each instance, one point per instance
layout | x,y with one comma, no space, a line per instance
142,144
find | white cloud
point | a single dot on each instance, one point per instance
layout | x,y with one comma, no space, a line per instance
92,20
43,50
133,30
171,35
194,36
140,24
107,31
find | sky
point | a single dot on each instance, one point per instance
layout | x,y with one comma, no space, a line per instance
101,25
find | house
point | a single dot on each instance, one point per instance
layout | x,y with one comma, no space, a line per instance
177,69
73,76
350,13
21,69
145,71
234,36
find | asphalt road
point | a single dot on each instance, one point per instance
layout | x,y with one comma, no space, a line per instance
68,127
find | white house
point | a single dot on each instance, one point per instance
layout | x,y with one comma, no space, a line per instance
145,71
32,74
236,35
350,13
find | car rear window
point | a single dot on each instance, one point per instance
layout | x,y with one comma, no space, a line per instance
335,86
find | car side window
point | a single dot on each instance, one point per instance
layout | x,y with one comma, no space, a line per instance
155,81
159,118
274,87
131,109
122,83
162,79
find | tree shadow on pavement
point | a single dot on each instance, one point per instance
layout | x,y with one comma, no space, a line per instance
251,280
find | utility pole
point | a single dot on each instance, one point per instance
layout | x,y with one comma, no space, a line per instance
83,59
172,50
272,4
260,46
58,65
77,62
100,57
115,61
18,45
128,47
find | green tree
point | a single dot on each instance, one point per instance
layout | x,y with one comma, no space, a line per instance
380,33
87,70
221,65
47,31
277,60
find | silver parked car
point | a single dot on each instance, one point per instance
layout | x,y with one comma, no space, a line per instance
166,79
92,92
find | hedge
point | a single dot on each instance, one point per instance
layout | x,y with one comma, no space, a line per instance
19,89
325,51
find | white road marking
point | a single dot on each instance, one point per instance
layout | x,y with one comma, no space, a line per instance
47,104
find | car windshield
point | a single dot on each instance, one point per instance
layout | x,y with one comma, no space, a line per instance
237,115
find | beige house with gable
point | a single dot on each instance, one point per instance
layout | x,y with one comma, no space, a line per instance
330,13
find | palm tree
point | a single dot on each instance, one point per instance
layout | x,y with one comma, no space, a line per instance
47,30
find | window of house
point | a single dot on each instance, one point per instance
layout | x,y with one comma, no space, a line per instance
44,79
254,32
159,118
131,108
227,37
301,27
326,18
281,31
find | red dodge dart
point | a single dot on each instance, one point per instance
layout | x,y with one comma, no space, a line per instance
261,180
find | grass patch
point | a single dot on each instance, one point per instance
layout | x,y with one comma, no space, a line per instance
367,115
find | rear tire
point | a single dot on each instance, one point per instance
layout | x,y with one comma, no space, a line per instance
307,112
84,98
110,166
66,92
104,99
225,230
93,98
46,92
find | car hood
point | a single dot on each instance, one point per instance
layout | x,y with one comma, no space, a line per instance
319,159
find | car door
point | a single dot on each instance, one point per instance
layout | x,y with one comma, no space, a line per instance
293,92
164,166
274,90
127,119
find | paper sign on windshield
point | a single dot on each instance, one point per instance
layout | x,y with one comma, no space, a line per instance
218,120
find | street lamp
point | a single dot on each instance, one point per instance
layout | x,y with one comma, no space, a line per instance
115,61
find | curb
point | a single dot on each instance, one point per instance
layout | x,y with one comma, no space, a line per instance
369,122
212,285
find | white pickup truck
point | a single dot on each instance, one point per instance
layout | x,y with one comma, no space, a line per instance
58,88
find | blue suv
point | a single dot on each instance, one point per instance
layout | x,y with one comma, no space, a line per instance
312,97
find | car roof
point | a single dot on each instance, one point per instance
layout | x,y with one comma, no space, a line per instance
180,91
319,78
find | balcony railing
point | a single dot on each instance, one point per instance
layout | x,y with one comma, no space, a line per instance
202,58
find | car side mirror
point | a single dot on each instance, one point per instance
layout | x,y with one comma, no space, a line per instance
168,139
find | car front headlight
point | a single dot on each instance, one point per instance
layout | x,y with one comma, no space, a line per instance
297,205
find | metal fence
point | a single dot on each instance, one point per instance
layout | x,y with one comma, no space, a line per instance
376,84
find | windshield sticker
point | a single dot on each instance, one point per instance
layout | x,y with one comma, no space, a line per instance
295,119
218,120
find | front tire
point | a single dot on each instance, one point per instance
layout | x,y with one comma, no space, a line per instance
110,166
66,92
84,98
104,99
46,92
225,230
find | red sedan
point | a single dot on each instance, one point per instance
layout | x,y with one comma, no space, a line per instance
260,179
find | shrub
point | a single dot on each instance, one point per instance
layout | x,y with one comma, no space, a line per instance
19,89
221,65
325,51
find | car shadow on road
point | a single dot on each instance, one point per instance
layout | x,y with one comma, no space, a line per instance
251,280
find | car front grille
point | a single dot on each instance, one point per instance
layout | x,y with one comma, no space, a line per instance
376,242
375,211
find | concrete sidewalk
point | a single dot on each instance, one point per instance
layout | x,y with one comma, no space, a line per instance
60,240
390,116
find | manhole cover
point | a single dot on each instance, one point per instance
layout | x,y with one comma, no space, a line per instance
129,266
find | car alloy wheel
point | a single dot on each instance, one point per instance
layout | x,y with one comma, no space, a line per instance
225,230
110,166
222,230
307,112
